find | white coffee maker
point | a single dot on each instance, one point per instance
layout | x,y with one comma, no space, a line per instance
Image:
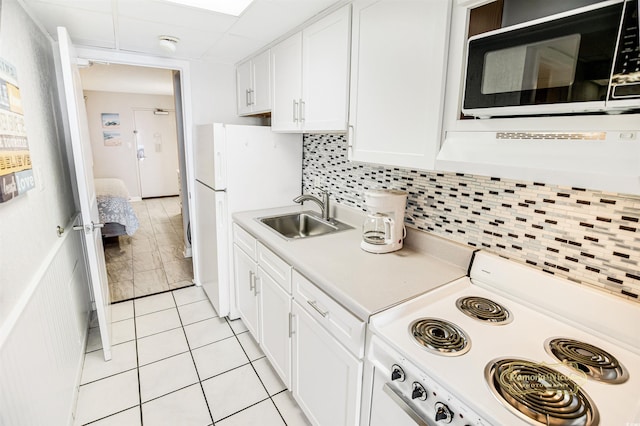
383,229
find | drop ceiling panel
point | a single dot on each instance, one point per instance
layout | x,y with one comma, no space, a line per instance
102,6
142,36
127,79
175,16
232,48
86,27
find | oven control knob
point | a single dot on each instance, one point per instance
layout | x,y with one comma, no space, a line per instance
418,392
443,413
397,373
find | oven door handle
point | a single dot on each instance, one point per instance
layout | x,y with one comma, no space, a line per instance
403,403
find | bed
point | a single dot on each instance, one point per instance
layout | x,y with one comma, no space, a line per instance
114,208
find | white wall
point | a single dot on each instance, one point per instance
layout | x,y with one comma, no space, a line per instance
28,223
119,161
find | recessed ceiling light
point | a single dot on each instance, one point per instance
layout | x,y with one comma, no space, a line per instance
229,7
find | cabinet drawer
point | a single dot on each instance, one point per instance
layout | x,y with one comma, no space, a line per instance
245,241
342,324
277,268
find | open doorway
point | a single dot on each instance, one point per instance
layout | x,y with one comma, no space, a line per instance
134,121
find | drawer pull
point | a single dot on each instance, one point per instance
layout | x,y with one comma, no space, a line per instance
314,305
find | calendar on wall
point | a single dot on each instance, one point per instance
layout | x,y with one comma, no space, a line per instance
16,174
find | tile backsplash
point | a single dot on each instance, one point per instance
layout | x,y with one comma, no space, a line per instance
590,237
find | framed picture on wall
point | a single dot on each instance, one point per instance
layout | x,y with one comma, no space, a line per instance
112,138
110,120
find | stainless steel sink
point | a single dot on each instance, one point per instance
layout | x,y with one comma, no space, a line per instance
302,225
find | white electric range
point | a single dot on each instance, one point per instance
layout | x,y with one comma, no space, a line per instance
430,363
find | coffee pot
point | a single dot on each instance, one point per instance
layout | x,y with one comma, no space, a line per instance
383,229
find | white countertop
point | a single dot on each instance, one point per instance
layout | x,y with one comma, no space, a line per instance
364,283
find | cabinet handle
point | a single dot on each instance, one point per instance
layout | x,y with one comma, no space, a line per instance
302,110
246,97
290,324
314,305
295,111
252,281
251,100
255,285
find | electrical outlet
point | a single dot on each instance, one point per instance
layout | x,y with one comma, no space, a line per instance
317,182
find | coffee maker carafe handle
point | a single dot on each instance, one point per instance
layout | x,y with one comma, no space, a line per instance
388,226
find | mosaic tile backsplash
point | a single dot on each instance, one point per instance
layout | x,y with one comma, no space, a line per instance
590,237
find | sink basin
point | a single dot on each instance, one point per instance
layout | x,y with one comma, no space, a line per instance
302,225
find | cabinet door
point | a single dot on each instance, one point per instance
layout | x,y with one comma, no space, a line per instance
325,72
275,316
243,85
326,377
286,77
246,290
399,53
260,96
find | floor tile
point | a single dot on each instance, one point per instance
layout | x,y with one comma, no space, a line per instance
171,253
107,396
178,270
122,331
161,345
94,341
180,284
130,417
120,271
123,358
143,245
121,311
208,331
146,261
167,375
122,290
290,410
155,303
186,407
250,346
149,282
189,295
157,322
233,391
219,357
261,414
269,377
196,311
238,326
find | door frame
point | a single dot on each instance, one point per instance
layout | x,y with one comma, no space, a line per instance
183,66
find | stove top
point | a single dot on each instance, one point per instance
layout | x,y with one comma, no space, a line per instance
598,368
440,337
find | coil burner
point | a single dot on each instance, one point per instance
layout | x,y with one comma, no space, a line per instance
540,393
596,363
485,310
440,336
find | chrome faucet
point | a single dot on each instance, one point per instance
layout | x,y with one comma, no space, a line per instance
324,204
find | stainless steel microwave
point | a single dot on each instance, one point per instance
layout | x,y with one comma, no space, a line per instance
582,61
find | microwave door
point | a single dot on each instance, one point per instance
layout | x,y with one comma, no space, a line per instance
535,66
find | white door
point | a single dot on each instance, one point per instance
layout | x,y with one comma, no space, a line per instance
243,85
246,290
261,82
157,148
326,377
83,162
275,320
286,75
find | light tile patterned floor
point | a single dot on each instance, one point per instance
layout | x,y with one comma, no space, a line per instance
151,260
177,363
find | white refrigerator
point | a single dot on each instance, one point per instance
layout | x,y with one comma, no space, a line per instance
236,168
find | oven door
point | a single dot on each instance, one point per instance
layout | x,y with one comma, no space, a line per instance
389,407
561,64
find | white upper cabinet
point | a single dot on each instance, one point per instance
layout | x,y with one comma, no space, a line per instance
253,85
310,75
398,66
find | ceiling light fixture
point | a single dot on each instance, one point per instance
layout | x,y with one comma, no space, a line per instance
168,43
228,7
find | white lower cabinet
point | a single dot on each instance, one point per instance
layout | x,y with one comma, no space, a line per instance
275,320
245,269
327,378
314,344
